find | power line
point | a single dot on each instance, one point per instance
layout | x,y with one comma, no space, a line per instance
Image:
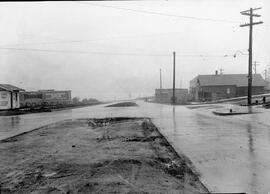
105,53
81,52
162,14
119,37
92,40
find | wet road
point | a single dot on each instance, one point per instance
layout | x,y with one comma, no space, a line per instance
231,153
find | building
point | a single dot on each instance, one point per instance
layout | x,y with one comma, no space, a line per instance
9,97
220,86
165,95
45,98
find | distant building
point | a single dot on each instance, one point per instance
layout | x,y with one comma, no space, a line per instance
220,86
165,95
9,97
45,98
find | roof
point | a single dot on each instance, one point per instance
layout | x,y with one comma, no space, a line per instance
239,80
11,88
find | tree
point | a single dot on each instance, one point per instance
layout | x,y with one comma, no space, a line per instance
75,100
93,101
84,101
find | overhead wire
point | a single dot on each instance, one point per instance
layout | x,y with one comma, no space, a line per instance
168,15
91,40
115,53
109,53
80,52
162,14
117,37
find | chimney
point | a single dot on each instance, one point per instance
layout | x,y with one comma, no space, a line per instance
216,72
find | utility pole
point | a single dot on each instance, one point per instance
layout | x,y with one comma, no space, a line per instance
221,71
250,24
160,79
255,64
173,98
265,74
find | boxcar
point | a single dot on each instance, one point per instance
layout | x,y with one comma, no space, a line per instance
45,98
30,99
57,97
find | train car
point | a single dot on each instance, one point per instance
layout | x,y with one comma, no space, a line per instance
30,99
45,98
56,97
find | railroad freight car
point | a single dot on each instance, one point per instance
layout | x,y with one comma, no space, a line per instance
45,98
30,99
51,97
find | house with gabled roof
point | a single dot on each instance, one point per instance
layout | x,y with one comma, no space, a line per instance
220,86
9,97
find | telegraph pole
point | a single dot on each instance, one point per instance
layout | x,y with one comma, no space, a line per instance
160,79
265,74
250,24
173,98
255,63
221,71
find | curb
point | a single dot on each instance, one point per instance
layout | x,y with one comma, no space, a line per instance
229,113
181,155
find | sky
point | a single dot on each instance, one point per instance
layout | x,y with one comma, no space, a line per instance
115,49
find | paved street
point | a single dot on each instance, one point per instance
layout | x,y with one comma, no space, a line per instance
231,153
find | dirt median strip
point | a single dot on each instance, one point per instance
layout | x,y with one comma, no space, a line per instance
116,155
123,104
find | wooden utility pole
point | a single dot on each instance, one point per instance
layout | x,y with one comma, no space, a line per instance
255,64
250,24
265,74
221,71
173,98
160,79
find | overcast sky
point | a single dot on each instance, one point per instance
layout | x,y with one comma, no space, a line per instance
110,50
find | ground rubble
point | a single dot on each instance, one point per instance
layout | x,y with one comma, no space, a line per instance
110,155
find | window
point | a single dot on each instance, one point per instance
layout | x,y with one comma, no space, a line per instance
4,95
4,103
